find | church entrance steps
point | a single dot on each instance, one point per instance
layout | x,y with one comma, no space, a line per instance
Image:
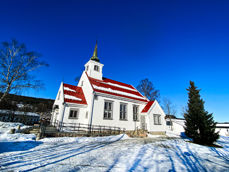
139,133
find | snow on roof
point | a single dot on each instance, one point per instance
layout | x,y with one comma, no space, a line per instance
223,125
74,94
69,89
71,97
147,107
120,86
116,88
118,92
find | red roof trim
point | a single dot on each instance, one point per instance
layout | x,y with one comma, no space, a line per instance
147,107
74,101
70,86
119,95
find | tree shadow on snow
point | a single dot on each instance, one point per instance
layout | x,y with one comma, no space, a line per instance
53,157
138,158
222,155
18,146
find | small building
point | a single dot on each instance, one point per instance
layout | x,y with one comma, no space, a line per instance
177,125
97,100
28,118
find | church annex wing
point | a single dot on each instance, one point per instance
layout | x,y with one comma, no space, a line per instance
74,94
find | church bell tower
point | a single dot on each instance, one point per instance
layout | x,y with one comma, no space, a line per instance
93,67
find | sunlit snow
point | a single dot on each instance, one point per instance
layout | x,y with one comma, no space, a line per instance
112,153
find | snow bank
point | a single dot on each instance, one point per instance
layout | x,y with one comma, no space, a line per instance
5,128
5,137
155,136
173,134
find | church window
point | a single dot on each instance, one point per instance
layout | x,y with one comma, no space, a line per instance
96,68
168,123
74,114
157,119
108,109
123,111
135,113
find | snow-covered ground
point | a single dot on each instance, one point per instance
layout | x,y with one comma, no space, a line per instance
113,153
6,126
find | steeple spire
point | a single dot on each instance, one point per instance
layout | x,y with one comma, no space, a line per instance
95,54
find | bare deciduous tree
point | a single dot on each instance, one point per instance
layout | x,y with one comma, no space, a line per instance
169,109
16,65
147,88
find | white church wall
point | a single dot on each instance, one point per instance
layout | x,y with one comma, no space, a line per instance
81,115
98,114
57,113
88,93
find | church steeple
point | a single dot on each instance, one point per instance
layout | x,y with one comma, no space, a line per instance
95,54
93,67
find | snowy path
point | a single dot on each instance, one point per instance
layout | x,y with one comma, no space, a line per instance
114,154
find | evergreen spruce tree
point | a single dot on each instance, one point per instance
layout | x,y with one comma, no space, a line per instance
199,124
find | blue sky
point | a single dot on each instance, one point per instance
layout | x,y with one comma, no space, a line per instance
169,42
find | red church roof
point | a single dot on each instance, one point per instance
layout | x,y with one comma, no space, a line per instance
147,107
74,94
116,88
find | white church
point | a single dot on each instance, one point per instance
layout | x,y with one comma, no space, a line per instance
97,100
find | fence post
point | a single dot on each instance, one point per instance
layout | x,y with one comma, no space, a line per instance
60,125
88,128
74,129
79,127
